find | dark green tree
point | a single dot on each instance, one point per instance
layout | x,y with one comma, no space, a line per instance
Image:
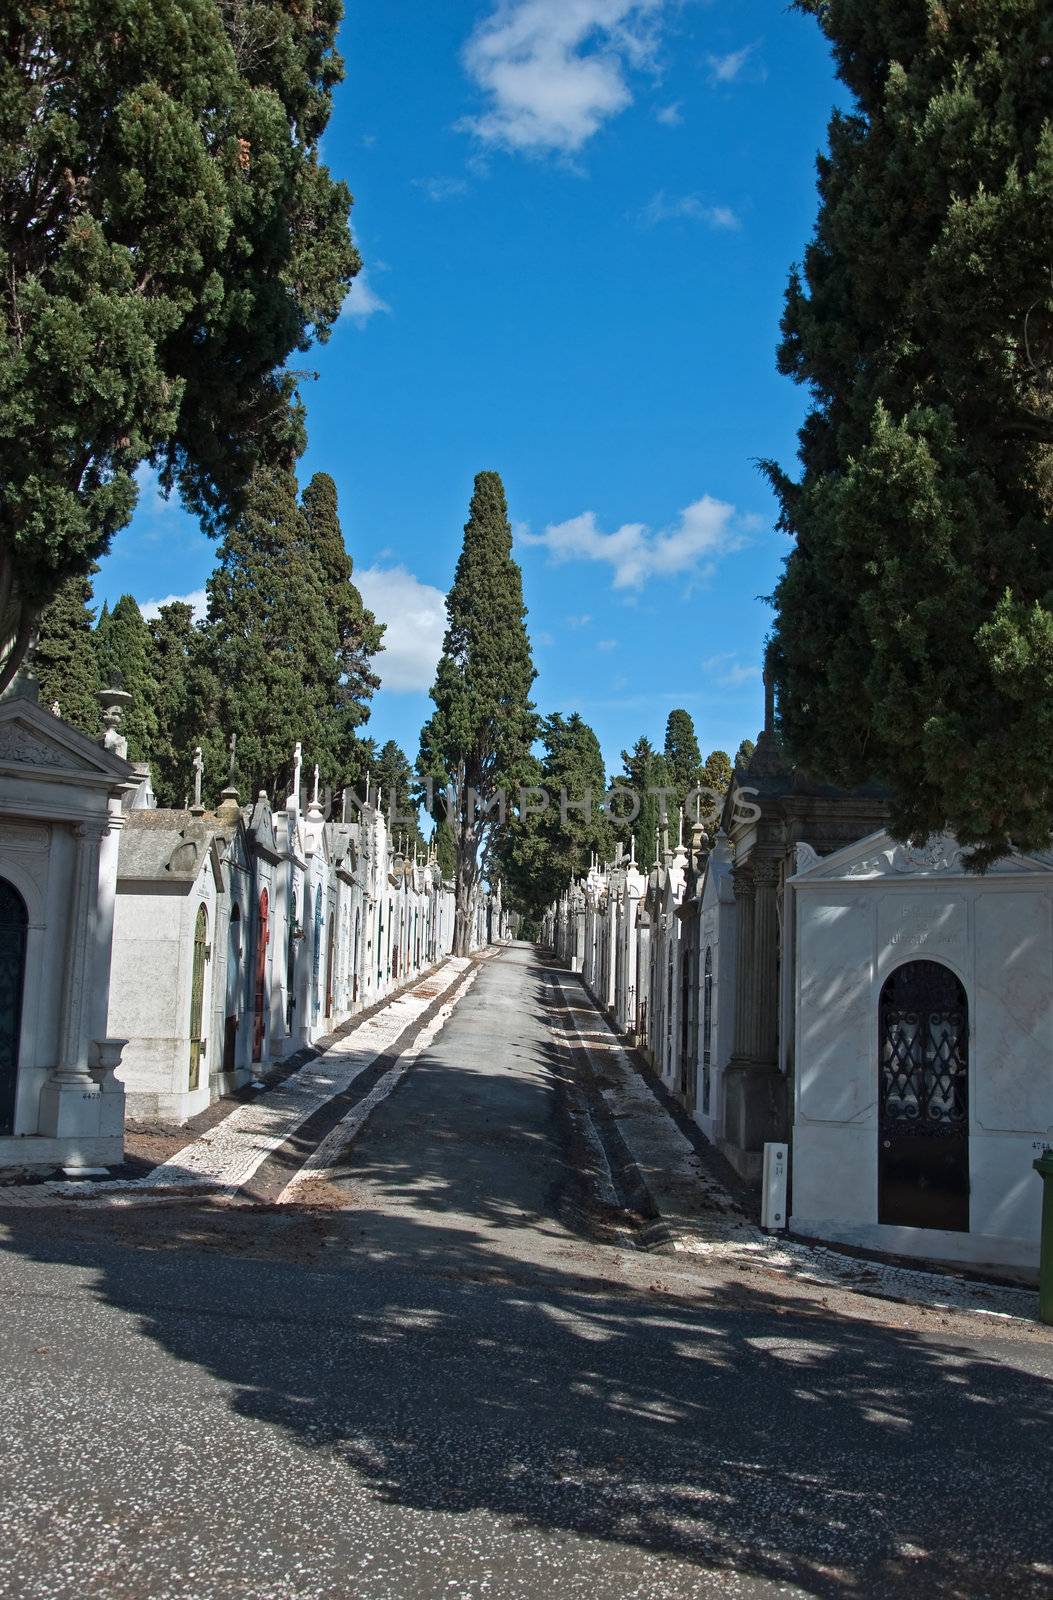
543,850
647,773
445,851
392,773
744,754
476,745
272,647
65,660
186,691
124,650
717,773
682,754
168,240
358,632
914,621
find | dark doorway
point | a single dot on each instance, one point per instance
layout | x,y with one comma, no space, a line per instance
923,1151
259,995
197,998
13,922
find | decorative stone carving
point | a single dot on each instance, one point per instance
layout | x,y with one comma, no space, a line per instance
938,854
18,744
805,858
24,835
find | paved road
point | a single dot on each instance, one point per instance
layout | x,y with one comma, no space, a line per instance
436,1379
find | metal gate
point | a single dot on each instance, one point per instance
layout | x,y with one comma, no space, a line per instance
923,1154
197,996
13,921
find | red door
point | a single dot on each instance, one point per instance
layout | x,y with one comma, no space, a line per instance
259,1021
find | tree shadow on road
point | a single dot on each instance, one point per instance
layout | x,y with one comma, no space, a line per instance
736,1431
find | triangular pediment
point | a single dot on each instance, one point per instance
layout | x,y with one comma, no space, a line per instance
879,856
37,743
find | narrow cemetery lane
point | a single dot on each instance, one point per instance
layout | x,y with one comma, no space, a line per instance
440,1364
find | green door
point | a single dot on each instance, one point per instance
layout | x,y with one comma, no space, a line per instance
197,996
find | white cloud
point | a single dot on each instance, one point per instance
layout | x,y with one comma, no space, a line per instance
606,644
664,207
729,671
554,71
704,531
362,301
414,614
196,598
581,621
725,69
670,116
439,189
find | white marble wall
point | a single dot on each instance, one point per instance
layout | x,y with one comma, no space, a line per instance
996,934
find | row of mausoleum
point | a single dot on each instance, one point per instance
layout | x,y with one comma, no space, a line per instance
801,977
152,959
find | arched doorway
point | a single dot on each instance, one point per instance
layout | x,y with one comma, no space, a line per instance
923,1099
13,924
259,1000
197,996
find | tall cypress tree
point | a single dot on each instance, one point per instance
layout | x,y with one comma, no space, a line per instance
682,754
65,657
359,634
272,646
914,631
185,694
392,773
544,850
124,649
478,739
645,771
744,754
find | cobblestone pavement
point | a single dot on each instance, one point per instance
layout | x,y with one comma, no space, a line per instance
694,1212
224,1158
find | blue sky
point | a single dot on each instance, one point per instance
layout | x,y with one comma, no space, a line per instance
577,218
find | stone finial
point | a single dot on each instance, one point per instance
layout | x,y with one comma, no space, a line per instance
114,702
197,809
314,797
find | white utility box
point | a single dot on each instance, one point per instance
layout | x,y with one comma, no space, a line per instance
773,1187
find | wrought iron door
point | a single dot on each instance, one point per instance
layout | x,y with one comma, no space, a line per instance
197,996
923,1154
13,920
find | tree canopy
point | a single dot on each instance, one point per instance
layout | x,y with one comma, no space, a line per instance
914,620
65,658
168,238
272,643
477,741
546,848
124,652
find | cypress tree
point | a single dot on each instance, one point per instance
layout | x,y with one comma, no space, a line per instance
744,754
546,849
682,754
272,646
185,694
914,630
646,771
359,635
169,239
124,650
477,741
65,658
392,773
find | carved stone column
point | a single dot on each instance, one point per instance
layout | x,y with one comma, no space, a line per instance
70,1099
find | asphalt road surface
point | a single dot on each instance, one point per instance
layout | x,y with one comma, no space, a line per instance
441,1374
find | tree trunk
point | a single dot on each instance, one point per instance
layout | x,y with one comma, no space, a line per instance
16,622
